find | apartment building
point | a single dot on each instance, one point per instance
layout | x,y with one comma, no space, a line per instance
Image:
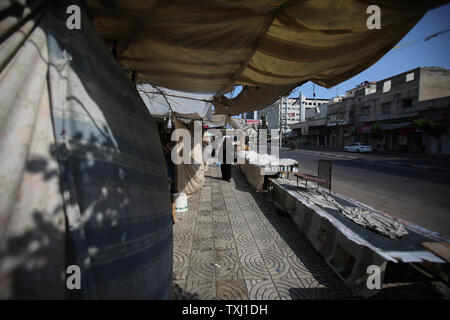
313,130
398,101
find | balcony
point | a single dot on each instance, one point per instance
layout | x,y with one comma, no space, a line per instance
339,122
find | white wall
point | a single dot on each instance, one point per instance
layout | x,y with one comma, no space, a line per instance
446,143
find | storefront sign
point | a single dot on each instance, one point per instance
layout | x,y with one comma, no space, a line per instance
364,129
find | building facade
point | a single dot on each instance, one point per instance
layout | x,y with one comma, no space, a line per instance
382,113
289,111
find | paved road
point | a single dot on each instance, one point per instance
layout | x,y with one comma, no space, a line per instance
414,194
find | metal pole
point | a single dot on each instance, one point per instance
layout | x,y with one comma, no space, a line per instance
280,110
285,114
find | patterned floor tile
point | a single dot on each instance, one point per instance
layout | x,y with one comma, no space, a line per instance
203,242
264,238
244,239
200,290
222,224
261,290
224,239
231,290
180,264
253,264
233,244
182,239
201,265
229,265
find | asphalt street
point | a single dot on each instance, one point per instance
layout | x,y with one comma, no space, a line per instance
415,194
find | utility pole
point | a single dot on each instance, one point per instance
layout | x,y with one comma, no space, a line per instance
280,109
314,96
286,115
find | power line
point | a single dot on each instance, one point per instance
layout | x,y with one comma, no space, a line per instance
433,35
173,95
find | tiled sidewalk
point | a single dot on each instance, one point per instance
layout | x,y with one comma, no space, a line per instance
233,244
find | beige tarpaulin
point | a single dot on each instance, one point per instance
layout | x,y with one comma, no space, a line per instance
32,221
210,46
82,181
251,98
190,177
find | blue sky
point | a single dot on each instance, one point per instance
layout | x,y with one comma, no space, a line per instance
434,52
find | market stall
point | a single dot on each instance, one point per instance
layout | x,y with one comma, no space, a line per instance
259,167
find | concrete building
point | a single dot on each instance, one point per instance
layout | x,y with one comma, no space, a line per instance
252,115
397,102
390,107
309,106
340,122
289,111
313,130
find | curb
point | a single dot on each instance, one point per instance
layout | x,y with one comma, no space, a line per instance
405,165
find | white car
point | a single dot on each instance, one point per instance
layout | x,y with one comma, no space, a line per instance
358,147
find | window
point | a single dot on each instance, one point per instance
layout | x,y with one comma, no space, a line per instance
386,108
387,86
410,77
407,103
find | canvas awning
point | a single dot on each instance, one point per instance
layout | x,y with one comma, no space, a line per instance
162,102
270,46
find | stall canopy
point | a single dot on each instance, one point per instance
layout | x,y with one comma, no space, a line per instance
268,46
220,120
162,102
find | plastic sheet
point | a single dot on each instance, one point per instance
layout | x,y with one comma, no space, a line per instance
190,177
162,102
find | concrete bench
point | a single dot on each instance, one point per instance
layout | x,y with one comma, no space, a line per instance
323,177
